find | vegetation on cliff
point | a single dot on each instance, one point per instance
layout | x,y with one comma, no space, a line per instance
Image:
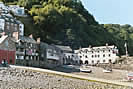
67,22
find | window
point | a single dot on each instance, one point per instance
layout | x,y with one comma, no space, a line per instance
21,50
92,56
86,56
103,55
86,51
86,62
81,62
103,60
10,61
98,55
95,55
103,50
51,54
98,61
49,51
92,52
109,55
110,61
80,56
109,50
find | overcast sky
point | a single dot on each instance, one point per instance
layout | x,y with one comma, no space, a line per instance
111,11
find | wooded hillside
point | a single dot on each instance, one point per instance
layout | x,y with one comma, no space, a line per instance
67,22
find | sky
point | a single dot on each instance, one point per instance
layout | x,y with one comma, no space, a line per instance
110,11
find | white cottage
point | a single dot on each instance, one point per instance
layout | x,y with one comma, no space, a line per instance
95,55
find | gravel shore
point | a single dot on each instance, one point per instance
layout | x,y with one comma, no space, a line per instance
11,78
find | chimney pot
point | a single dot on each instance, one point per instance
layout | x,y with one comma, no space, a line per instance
38,40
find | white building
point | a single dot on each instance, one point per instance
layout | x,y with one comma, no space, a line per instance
9,24
17,10
2,23
95,55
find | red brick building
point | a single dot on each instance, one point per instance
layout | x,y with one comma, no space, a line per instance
7,49
9,56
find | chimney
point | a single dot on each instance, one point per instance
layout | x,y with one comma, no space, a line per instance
31,36
106,44
38,40
15,35
89,46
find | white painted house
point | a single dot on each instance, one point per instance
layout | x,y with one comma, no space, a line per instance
17,10
2,23
95,55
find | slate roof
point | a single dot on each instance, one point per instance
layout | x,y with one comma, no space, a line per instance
10,19
27,39
95,49
3,38
64,48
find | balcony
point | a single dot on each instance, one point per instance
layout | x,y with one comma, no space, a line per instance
36,54
19,53
52,57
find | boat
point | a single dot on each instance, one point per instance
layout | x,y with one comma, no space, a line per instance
130,76
107,70
85,69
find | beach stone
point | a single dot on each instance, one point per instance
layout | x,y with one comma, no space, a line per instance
25,79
